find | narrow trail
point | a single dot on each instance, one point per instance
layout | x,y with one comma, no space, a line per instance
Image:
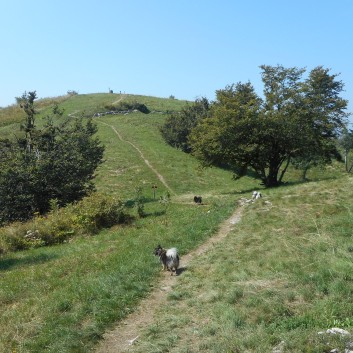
122,96
159,176
121,339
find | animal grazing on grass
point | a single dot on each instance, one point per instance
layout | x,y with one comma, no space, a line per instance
169,258
198,200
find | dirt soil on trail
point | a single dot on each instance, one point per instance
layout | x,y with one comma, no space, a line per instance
121,338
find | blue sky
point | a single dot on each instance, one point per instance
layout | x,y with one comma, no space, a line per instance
185,48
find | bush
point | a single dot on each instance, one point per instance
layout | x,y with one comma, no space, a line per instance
97,212
126,106
178,126
57,161
86,217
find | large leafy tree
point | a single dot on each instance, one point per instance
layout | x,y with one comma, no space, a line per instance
323,112
223,137
57,162
177,127
298,120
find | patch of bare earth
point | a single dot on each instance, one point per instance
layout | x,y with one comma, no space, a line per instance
122,338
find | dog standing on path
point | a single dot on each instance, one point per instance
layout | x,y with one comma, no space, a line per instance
169,258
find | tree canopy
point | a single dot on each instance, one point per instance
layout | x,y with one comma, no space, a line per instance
178,126
56,162
297,120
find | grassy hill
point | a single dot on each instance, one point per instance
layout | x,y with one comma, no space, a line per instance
282,275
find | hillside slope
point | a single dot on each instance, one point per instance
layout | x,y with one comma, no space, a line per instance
281,281
280,275
63,298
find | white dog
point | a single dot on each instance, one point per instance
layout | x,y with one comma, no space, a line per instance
256,195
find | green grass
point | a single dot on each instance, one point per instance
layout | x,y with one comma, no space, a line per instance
63,298
181,171
13,114
88,104
282,275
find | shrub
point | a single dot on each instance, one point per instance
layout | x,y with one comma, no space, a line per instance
85,217
57,161
177,127
140,203
97,212
125,106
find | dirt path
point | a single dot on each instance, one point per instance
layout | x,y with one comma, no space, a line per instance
121,339
122,96
149,165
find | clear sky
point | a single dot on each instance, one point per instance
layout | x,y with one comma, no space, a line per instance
185,48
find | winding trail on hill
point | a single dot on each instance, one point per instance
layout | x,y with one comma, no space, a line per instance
122,96
149,165
122,338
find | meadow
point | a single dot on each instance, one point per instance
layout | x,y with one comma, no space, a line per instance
281,279
281,276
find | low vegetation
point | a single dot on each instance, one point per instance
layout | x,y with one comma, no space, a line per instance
86,217
127,107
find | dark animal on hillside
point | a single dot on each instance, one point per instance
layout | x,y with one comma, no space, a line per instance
169,258
198,200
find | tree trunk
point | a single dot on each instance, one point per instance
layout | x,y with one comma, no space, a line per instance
305,170
271,179
284,170
350,168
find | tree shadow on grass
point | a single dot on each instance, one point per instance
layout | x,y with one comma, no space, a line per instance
155,213
281,185
243,192
131,203
13,262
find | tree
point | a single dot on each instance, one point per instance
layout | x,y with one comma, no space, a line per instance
55,162
223,138
177,128
324,113
26,102
346,142
297,120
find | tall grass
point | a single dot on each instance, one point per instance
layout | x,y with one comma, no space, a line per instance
88,216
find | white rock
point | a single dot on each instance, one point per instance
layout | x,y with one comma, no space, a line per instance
338,331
